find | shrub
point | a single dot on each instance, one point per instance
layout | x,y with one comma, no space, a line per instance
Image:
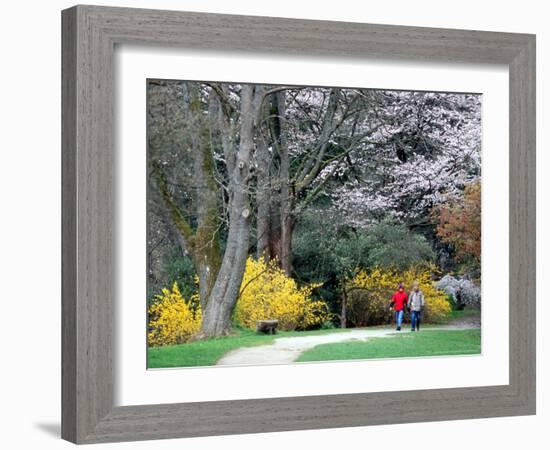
437,310
327,325
369,294
367,307
324,248
462,291
172,319
268,293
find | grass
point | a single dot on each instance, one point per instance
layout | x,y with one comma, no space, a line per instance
426,343
207,352
423,343
457,314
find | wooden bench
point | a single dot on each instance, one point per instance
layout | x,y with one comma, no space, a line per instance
267,326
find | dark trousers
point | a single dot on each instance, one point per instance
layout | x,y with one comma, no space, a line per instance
415,320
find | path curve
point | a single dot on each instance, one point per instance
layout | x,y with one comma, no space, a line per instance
285,350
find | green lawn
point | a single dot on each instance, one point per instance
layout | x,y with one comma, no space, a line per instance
209,351
423,343
457,314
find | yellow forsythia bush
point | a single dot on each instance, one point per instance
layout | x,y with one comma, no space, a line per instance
172,319
369,294
268,293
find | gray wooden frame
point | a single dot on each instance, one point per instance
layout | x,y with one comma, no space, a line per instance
89,36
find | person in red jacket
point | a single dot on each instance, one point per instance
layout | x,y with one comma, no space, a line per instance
399,302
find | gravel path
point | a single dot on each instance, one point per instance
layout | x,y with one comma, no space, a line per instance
287,349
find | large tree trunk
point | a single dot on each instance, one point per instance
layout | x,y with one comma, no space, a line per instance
206,247
263,195
269,179
202,243
216,319
285,221
287,231
274,244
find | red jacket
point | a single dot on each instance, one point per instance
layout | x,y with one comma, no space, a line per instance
399,300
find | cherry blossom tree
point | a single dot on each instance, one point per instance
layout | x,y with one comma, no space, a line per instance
428,149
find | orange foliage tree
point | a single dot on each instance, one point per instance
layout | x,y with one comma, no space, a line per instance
459,224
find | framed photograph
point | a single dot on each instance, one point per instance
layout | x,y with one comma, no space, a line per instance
278,224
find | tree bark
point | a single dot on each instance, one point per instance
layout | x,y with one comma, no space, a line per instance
263,194
344,312
263,213
201,243
287,231
216,319
206,249
286,220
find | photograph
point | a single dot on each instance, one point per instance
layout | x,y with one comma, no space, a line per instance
296,224
266,225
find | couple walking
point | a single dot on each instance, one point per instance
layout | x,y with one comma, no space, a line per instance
414,301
